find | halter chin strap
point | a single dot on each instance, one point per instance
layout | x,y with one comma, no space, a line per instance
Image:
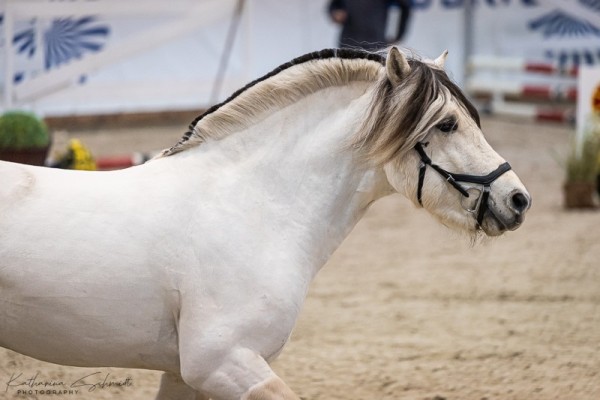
453,179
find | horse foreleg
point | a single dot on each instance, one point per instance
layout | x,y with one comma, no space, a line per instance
271,389
236,374
172,387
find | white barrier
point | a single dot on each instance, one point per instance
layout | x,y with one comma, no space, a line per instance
518,87
519,64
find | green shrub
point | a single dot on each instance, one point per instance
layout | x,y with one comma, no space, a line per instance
21,130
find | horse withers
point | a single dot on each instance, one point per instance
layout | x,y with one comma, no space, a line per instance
197,262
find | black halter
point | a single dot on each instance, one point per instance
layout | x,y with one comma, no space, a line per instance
453,179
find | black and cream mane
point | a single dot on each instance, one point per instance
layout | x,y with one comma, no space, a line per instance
397,118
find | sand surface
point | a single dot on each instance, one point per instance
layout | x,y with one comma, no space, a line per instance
406,309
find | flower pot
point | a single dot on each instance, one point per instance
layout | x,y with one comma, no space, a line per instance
24,138
579,194
25,156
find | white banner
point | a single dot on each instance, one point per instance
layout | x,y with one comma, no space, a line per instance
106,56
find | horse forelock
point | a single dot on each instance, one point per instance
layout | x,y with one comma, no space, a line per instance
285,84
401,116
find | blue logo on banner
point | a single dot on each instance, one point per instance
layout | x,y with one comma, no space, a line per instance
64,40
592,4
558,23
561,24
451,4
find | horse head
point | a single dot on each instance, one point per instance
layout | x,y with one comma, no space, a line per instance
427,136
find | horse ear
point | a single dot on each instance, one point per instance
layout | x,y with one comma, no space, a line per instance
396,66
441,60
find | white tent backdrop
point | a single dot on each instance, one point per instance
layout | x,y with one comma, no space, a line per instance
114,56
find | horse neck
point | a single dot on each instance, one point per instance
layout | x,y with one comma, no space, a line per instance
296,164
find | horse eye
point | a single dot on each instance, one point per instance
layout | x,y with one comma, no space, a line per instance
448,125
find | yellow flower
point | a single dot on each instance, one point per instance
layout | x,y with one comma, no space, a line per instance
82,157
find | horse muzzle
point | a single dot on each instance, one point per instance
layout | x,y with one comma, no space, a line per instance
494,211
505,212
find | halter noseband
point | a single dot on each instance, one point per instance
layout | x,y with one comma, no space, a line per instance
453,179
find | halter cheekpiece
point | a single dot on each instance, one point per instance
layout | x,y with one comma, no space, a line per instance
453,179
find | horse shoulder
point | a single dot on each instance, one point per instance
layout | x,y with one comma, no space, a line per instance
16,183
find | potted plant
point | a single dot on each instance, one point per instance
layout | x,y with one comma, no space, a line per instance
24,138
582,169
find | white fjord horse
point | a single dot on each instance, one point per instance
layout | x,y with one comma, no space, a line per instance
197,262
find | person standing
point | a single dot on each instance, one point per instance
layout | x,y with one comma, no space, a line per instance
364,22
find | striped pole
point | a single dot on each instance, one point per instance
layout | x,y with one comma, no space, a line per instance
534,112
515,64
549,91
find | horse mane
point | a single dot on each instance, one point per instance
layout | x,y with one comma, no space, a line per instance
282,86
397,118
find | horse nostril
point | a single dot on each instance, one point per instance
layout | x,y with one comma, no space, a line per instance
520,202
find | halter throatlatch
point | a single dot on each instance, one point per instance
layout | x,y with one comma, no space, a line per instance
484,180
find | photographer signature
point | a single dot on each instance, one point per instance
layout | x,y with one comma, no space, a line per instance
89,382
